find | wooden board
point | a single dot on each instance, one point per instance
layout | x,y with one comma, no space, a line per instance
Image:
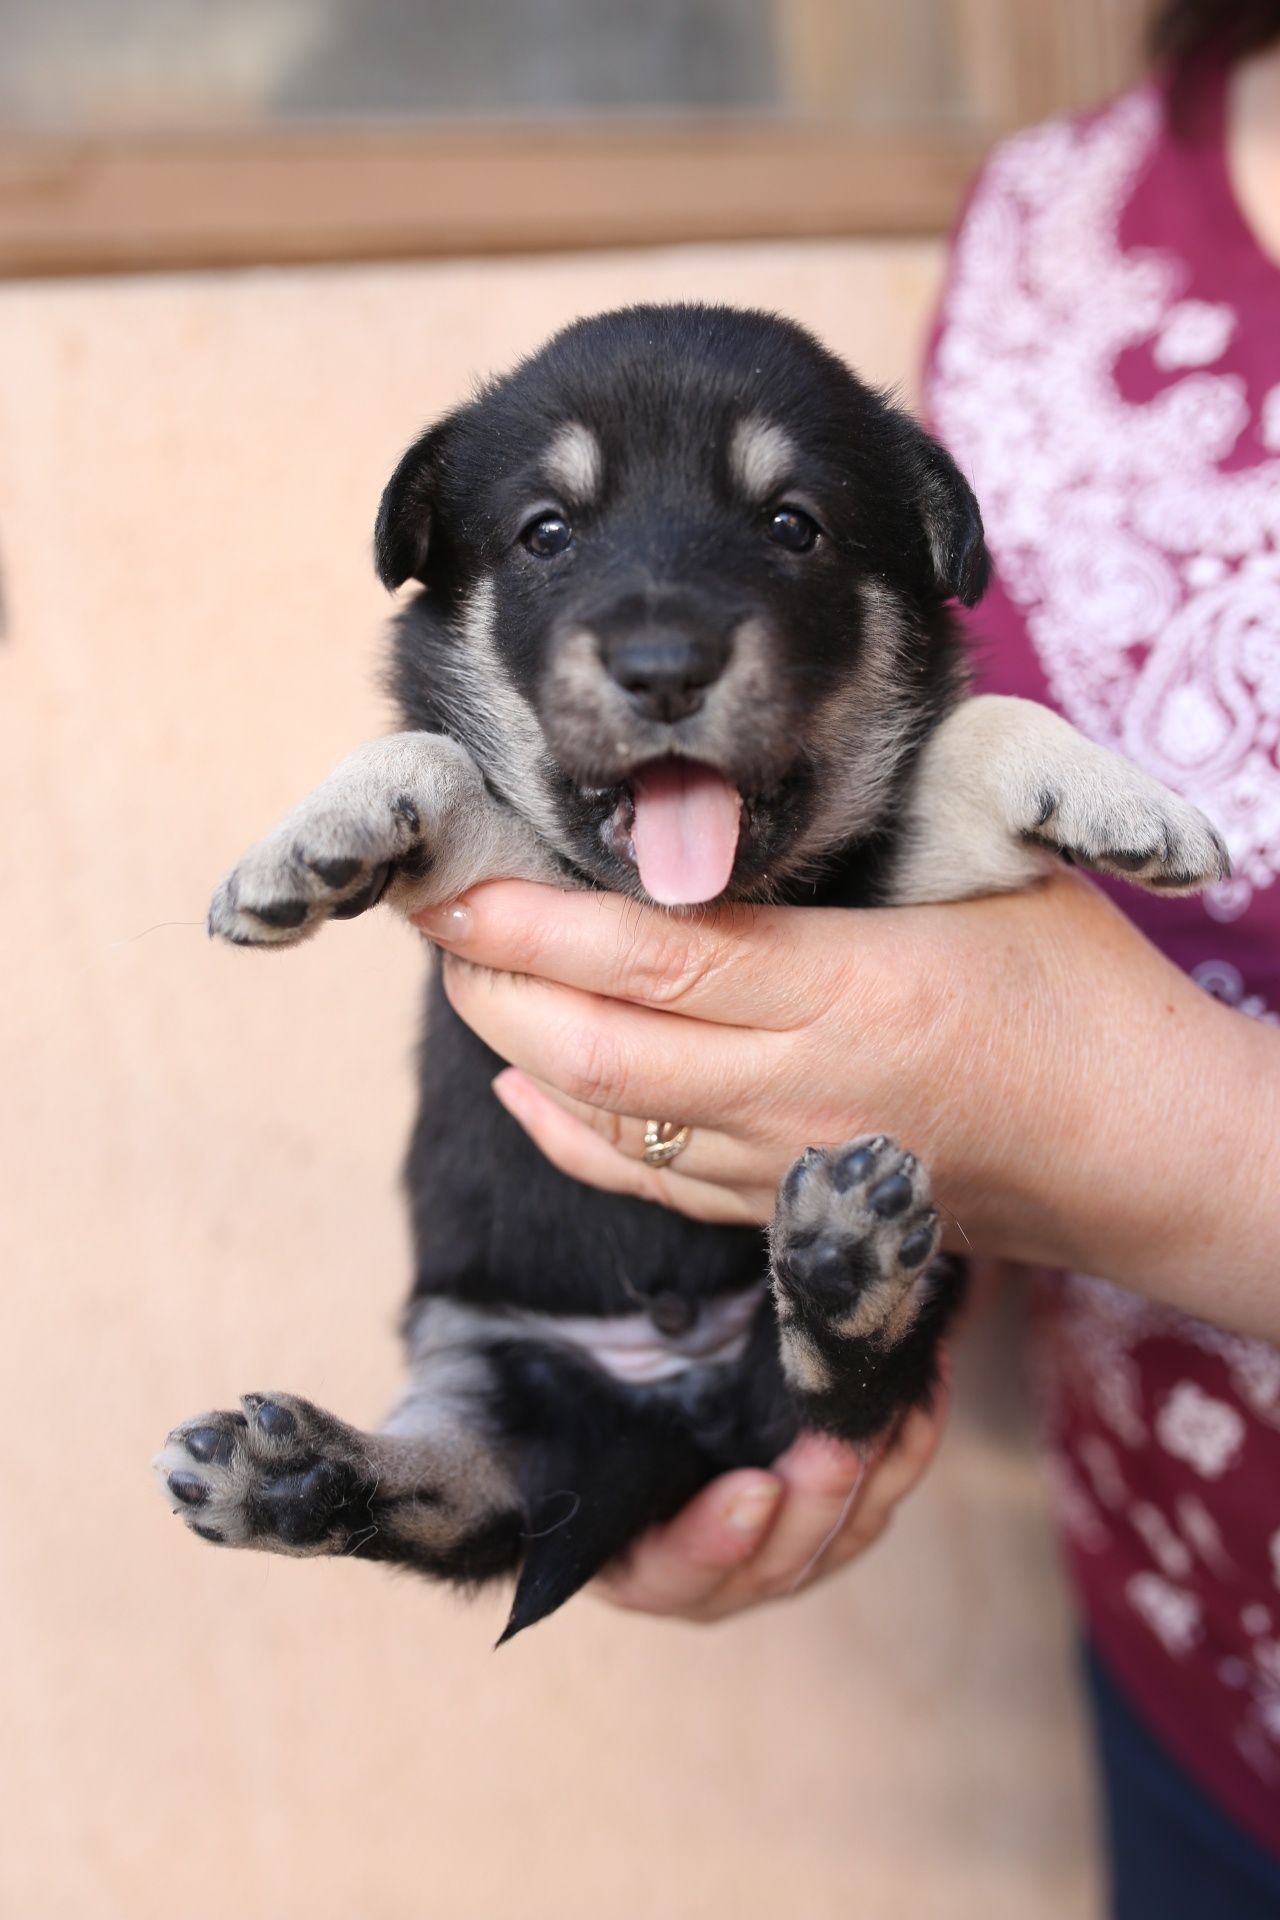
120,204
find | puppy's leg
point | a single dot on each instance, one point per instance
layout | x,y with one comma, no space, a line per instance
429,1491
407,818
862,1297
1005,786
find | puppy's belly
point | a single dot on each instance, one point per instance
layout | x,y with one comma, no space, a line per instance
629,1347
496,1224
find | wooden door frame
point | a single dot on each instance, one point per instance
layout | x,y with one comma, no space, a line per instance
113,204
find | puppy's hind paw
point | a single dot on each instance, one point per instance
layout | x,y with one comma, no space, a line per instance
853,1230
279,1475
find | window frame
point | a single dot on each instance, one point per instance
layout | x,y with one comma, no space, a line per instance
117,203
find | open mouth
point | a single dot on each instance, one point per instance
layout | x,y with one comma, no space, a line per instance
679,822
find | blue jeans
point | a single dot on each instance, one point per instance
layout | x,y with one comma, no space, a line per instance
1172,1854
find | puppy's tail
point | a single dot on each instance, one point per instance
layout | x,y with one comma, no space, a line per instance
599,1506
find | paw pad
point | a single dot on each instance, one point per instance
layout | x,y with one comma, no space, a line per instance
280,1474
853,1230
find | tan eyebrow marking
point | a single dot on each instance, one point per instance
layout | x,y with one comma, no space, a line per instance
573,461
760,456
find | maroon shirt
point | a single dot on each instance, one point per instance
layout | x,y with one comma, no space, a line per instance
1106,369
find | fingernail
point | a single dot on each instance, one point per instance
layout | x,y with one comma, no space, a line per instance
450,924
751,1509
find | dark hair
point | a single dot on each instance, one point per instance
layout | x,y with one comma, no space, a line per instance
1226,29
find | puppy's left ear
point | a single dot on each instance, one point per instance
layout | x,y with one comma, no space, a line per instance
952,524
402,531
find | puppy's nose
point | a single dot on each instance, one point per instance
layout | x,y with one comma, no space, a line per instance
665,671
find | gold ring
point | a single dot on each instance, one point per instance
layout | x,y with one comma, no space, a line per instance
663,1140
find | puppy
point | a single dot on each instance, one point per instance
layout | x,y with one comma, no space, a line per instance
681,631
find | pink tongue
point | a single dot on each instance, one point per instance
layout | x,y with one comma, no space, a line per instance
685,832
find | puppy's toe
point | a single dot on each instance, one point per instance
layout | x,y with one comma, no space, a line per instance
1113,818
324,862
264,902
280,1474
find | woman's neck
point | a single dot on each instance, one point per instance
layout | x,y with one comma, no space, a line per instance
1253,146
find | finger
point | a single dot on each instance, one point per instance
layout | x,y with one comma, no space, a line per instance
831,1511
677,1569
708,1153
608,1054
887,1483
581,1150
822,1478
737,965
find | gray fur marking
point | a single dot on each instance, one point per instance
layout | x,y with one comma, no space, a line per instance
447,1332
413,798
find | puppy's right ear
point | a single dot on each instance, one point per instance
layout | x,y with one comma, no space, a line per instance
951,520
403,527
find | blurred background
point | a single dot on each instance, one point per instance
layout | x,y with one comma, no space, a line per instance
140,133
248,248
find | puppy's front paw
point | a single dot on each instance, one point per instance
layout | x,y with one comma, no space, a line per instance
322,863
281,1475
852,1232
1107,815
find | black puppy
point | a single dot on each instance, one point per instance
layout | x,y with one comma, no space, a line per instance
682,633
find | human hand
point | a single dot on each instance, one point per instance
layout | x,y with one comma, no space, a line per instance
751,1537
1033,1049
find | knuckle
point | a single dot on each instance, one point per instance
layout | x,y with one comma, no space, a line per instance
620,1595
651,1599
655,1184
920,1443
670,965
459,977
835,1472
528,946
594,1072
873,1528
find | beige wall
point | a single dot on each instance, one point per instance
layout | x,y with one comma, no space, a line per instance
198,1150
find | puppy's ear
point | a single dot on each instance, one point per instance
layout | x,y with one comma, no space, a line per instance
403,527
952,524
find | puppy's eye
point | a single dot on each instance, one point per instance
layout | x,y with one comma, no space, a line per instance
794,530
547,536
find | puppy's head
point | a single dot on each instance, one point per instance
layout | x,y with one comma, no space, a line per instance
685,578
